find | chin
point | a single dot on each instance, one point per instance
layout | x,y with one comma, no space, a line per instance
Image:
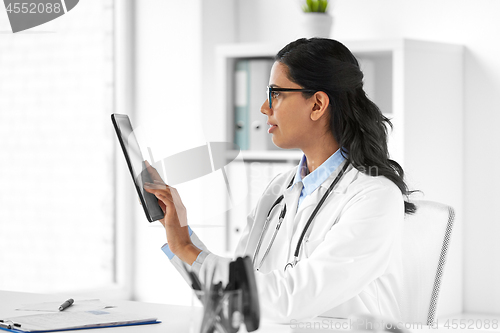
282,145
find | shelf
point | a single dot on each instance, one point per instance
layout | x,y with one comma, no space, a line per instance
267,156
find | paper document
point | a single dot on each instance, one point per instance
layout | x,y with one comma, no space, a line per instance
72,320
78,305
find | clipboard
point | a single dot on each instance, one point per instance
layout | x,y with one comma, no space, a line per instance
71,321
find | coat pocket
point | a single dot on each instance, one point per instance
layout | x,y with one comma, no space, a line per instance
310,245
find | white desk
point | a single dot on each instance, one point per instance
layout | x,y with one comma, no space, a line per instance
175,319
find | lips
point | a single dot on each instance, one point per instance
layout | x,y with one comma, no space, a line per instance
271,127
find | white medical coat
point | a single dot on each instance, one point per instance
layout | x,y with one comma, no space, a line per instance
350,260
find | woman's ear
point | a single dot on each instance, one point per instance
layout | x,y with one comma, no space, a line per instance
320,107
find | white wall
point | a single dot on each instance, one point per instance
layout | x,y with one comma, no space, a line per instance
472,23
167,117
173,42
58,143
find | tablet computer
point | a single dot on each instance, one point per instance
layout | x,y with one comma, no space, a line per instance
136,165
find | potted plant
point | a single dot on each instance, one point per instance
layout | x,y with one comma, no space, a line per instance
317,22
315,6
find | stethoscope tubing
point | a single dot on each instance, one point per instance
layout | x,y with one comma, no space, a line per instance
323,199
264,230
282,216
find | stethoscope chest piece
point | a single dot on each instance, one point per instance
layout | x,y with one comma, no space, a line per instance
292,264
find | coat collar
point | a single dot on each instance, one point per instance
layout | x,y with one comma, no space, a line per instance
291,197
347,178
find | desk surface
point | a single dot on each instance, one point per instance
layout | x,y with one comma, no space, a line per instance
173,318
179,318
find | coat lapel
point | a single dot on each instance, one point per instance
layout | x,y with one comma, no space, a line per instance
304,212
310,203
262,210
292,199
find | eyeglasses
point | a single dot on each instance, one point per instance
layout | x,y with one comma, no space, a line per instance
274,92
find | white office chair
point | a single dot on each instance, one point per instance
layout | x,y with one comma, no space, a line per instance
426,235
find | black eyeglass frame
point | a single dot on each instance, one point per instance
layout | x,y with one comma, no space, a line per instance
270,90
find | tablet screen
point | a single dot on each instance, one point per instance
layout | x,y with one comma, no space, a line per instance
136,165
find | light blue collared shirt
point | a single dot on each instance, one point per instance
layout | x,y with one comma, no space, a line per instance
311,181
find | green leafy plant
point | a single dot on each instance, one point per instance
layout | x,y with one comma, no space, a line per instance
315,6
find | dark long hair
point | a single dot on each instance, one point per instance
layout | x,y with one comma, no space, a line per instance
357,124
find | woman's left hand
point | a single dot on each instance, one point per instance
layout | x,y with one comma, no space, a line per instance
175,219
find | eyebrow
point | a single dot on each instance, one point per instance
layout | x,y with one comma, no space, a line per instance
274,85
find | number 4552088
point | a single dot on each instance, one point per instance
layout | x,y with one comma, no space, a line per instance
471,324
33,8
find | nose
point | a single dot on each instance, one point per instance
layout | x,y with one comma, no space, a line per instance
264,109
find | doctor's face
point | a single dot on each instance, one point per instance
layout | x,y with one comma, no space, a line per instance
289,117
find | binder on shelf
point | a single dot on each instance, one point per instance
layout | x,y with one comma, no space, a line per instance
237,213
377,78
259,70
241,79
250,125
367,66
259,176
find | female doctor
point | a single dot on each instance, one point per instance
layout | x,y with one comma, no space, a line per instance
325,236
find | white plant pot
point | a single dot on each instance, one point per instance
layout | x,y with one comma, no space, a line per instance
316,25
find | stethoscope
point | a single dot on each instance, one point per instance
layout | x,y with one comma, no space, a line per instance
282,217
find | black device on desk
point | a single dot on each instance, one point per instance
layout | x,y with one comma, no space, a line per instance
136,165
242,277
233,305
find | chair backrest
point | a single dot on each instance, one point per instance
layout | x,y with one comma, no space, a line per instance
426,235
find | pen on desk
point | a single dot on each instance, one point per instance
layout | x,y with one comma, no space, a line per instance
66,304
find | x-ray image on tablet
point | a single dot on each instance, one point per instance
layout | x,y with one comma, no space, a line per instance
136,165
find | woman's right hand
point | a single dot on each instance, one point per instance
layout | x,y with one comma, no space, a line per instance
175,219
